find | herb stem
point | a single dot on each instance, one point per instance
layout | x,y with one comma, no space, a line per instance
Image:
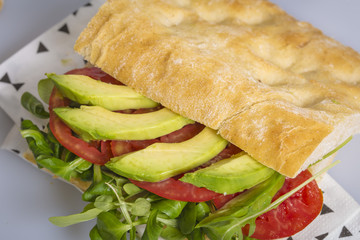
123,207
97,173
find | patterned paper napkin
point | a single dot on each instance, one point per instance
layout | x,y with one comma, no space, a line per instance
53,52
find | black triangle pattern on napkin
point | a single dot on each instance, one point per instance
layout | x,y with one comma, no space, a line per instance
326,210
322,236
17,86
64,28
289,238
88,4
75,12
15,151
6,79
345,233
41,48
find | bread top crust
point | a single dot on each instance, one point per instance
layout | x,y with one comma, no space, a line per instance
274,86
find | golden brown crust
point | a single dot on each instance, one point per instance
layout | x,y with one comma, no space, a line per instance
295,134
235,66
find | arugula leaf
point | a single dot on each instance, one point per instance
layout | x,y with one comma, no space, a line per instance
336,149
153,228
91,211
131,188
83,166
104,202
47,152
122,204
110,227
172,233
95,190
187,220
94,234
66,155
58,149
35,138
202,211
197,234
33,105
64,221
171,208
229,220
141,207
66,170
57,167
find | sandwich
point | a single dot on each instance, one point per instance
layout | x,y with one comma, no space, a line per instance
198,119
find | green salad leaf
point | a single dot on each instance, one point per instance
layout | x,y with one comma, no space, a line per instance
34,106
45,87
94,234
153,227
187,220
171,208
64,221
110,227
49,153
172,233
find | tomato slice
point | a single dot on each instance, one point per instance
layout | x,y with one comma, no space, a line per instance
182,134
292,215
120,147
64,134
95,73
174,189
222,199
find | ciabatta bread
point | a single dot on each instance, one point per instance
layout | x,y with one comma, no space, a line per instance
274,86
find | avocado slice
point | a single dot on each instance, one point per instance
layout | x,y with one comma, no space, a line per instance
85,90
230,175
97,123
163,160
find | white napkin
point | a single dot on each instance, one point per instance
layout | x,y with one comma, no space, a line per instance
53,52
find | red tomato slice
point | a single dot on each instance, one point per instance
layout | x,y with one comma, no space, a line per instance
95,73
222,199
176,190
119,147
64,134
182,134
105,147
294,214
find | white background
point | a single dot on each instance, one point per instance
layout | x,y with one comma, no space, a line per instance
28,197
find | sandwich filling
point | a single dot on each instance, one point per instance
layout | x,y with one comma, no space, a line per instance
186,182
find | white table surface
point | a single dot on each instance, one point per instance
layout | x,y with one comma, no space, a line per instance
29,197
